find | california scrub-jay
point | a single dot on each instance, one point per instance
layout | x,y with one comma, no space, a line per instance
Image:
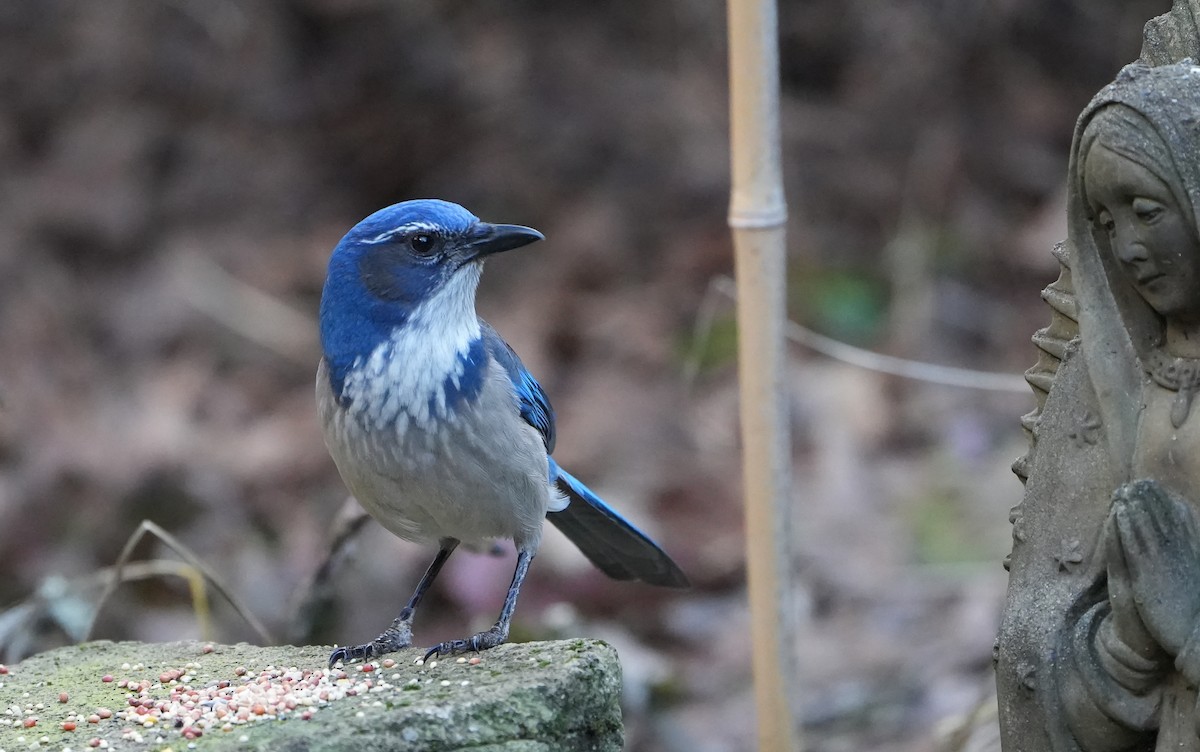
433,421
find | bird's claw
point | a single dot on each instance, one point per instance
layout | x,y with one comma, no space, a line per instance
474,644
351,653
395,637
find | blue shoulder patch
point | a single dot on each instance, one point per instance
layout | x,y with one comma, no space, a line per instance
470,383
535,405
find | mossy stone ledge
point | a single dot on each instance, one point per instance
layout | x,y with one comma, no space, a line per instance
558,696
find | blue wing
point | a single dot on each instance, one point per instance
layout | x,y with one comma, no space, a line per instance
535,405
608,540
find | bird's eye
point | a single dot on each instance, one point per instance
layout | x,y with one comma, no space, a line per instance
421,242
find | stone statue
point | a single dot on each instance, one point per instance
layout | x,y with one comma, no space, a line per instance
1173,36
1100,646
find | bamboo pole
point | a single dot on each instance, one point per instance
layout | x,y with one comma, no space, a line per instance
757,217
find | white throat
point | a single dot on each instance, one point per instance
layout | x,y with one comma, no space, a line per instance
404,377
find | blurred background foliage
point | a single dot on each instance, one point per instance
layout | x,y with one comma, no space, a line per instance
173,175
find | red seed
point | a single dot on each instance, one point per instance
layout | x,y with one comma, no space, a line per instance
68,726
30,722
240,671
107,678
3,669
93,718
63,697
388,663
94,741
208,648
367,668
104,712
259,709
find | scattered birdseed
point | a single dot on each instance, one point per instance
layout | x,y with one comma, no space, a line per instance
208,648
173,705
3,669
107,678
387,663
63,697
475,660
30,722
461,659
68,726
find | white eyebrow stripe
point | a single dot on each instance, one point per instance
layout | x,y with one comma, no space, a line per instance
387,235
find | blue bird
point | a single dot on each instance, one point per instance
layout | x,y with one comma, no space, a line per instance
434,423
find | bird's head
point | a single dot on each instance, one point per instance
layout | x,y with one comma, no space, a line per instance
423,252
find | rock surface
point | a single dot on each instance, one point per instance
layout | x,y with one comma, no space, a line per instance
531,697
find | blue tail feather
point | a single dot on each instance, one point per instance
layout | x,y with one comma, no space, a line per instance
610,542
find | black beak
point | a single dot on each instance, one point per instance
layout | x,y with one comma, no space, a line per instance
484,239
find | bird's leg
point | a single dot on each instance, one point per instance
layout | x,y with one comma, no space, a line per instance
499,631
399,634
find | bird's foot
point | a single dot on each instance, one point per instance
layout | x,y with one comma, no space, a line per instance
395,637
482,641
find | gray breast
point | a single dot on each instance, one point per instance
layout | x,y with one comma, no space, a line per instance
478,472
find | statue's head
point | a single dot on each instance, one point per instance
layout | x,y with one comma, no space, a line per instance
1134,198
1140,211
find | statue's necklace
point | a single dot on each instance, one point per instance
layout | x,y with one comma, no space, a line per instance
1180,375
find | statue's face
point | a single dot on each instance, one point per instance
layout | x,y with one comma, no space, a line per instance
1147,231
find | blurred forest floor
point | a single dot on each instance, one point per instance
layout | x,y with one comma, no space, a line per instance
173,176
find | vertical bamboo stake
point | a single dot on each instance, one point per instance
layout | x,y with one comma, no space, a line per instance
757,217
